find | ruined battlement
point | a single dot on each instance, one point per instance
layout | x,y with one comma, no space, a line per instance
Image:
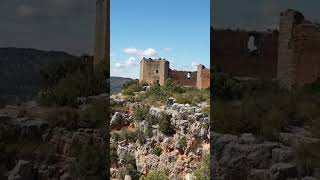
158,71
290,54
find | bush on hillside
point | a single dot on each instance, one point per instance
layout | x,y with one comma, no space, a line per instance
64,89
165,125
157,150
171,86
193,97
203,173
130,87
64,117
225,87
140,113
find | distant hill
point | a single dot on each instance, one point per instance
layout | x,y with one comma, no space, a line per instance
116,83
20,69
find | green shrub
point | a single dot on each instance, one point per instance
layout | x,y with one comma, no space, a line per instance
183,142
193,96
140,113
172,86
53,72
165,125
157,151
130,87
141,136
64,117
225,87
80,82
155,175
203,173
113,154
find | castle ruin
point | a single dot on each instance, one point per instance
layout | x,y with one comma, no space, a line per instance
158,71
290,55
102,34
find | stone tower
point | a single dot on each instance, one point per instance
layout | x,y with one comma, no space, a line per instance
102,34
203,77
154,71
286,68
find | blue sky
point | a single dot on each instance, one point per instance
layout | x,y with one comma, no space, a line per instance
259,14
177,30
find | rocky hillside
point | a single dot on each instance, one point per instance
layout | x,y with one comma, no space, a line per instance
261,131
169,141
40,142
20,69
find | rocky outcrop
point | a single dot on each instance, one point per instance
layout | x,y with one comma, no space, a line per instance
246,157
179,154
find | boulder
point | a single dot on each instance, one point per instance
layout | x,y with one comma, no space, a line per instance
155,111
282,171
116,120
127,177
282,155
247,138
259,174
22,171
170,101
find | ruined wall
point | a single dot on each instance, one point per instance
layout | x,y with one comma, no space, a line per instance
181,77
230,53
299,50
101,30
306,38
286,55
203,77
152,71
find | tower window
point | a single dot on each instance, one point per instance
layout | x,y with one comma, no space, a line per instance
157,71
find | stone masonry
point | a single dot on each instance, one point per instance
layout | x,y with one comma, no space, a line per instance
290,55
102,34
158,71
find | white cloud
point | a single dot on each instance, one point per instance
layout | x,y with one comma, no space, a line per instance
131,51
118,65
131,61
167,49
147,53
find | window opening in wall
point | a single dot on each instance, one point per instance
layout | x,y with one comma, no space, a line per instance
157,71
189,75
251,44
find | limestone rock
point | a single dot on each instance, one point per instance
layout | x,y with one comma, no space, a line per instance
22,171
282,171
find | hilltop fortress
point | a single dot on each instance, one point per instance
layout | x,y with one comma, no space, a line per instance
290,55
158,71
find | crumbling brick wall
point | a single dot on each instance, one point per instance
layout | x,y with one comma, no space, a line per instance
158,71
230,53
181,77
306,38
299,49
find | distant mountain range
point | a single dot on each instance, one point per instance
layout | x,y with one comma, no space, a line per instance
116,83
20,69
